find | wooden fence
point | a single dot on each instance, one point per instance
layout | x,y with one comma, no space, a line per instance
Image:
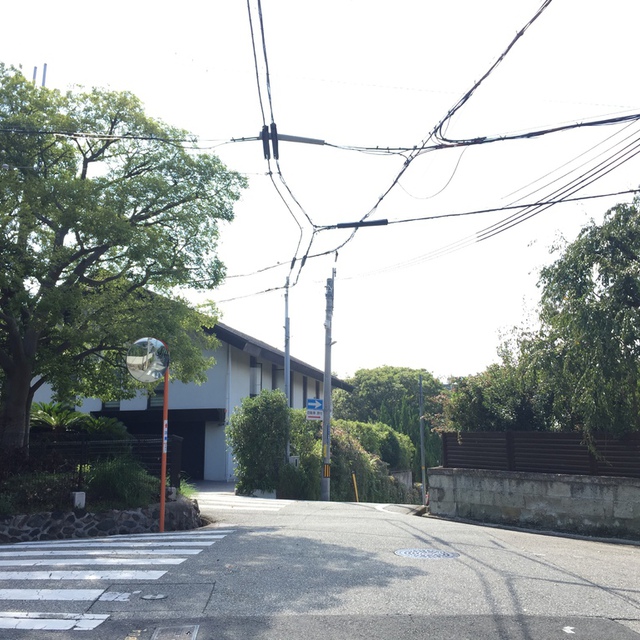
542,452
70,455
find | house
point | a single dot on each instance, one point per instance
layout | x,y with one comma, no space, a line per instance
199,413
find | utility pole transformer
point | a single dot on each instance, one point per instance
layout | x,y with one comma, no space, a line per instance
325,484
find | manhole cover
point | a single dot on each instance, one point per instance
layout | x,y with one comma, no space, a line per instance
434,554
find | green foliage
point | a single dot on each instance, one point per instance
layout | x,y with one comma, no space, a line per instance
391,395
303,482
258,433
589,343
186,488
349,457
35,491
503,397
122,483
580,370
105,428
393,448
97,233
55,419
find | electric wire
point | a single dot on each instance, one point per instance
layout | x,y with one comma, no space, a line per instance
295,260
438,129
266,60
593,174
438,132
585,153
437,193
255,63
562,194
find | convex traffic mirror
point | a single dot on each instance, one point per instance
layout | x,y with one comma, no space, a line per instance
147,360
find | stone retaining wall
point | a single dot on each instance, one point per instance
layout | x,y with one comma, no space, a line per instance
180,515
591,505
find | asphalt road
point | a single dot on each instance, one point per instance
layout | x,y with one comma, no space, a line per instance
328,570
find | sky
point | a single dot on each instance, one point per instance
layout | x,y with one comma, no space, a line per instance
424,291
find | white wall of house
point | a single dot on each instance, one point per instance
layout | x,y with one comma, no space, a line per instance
211,393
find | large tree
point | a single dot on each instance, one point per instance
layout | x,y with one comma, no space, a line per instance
504,397
589,345
104,213
580,370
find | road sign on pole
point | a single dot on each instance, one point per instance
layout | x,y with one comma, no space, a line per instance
315,409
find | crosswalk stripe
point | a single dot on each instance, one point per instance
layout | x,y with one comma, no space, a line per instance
51,622
105,552
206,538
141,574
50,594
196,533
87,561
110,558
158,539
224,507
53,544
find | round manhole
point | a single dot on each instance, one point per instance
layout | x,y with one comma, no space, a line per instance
433,554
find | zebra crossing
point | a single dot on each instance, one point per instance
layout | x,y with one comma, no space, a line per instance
227,501
90,566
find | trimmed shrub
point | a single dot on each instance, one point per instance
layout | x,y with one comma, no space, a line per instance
258,433
35,491
122,483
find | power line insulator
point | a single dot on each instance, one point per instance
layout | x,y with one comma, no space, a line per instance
264,136
274,140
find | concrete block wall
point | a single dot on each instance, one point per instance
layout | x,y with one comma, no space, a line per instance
592,505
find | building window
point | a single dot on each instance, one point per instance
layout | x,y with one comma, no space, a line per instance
156,399
255,377
111,405
305,385
317,388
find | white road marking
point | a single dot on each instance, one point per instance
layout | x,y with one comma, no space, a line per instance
210,535
186,539
568,629
81,575
115,596
61,562
113,551
50,594
105,552
224,507
231,502
117,544
50,621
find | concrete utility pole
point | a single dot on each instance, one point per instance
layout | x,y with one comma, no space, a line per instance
325,484
287,346
287,356
422,462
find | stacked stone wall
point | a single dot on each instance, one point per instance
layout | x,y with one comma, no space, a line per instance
180,515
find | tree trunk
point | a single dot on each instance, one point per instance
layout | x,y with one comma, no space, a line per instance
14,407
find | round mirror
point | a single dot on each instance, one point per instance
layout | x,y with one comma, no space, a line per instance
147,360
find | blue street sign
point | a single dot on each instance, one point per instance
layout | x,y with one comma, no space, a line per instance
315,404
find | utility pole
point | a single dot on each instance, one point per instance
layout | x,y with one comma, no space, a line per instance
287,346
424,475
325,484
287,356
